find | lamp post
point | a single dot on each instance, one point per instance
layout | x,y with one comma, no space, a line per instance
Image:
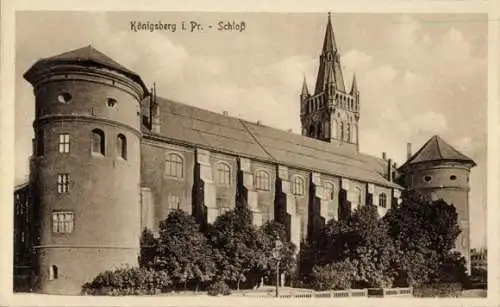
278,246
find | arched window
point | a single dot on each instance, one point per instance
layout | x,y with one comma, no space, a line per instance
53,272
174,166
98,142
262,181
121,146
312,133
382,200
329,191
348,133
298,186
326,129
223,174
342,131
319,133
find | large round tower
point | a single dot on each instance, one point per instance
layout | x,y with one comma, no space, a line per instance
439,171
85,167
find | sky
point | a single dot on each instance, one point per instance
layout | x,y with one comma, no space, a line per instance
418,75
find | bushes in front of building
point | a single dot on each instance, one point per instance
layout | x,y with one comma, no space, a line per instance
230,253
358,244
333,276
128,281
410,246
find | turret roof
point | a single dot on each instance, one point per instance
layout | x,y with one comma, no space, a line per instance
87,56
436,149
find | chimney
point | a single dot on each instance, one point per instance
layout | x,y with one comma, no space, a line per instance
225,113
258,122
408,151
389,170
384,156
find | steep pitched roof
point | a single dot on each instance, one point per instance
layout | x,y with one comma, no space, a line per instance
436,149
196,127
87,56
329,40
330,69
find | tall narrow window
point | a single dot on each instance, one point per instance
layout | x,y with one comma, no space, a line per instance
98,142
53,272
329,191
63,183
326,129
62,222
174,166
298,186
342,131
348,133
40,143
382,200
121,146
63,142
223,174
262,181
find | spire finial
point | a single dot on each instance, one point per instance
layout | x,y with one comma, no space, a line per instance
354,86
329,15
305,90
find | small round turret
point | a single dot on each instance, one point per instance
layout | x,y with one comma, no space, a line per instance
439,171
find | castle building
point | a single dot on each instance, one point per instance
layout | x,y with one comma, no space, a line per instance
111,158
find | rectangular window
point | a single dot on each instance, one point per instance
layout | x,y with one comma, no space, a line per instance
63,143
62,222
63,183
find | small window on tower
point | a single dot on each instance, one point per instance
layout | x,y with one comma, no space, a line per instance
64,97
111,102
427,178
453,177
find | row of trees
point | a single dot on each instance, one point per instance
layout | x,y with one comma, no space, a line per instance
232,250
410,246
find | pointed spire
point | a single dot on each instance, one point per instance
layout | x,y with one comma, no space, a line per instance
329,59
329,42
354,87
305,90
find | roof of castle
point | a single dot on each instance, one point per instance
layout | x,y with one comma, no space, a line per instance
85,56
184,124
436,149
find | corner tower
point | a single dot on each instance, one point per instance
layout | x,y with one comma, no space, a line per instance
439,171
85,168
330,113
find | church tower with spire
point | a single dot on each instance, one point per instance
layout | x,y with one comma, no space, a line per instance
330,113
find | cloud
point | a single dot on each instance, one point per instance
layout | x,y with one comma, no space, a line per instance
356,60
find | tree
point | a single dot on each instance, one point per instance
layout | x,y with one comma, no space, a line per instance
240,247
183,251
362,240
424,233
288,262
